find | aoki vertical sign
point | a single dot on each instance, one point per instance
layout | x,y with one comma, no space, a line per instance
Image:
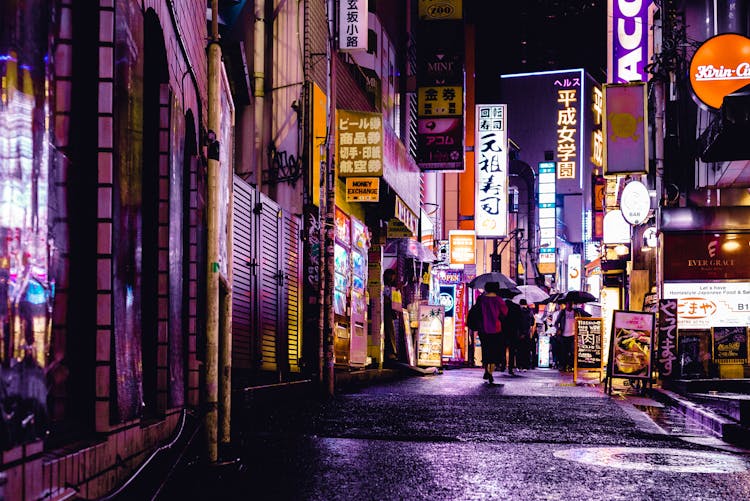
352,25
491,171
547,231
628,40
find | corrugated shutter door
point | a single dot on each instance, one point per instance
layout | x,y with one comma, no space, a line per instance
242,274
268,272
292,290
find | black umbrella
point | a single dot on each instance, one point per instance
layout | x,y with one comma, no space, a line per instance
576,297
505,283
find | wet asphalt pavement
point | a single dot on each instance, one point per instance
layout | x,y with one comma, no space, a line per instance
535,435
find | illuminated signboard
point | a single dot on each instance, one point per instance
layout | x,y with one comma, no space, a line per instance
719,67
597,136
440,101
567,123
574,272
362,189
625,129
547,218
491,171
353,25
628,40
635,202
462,245
554,110
710,304
360,144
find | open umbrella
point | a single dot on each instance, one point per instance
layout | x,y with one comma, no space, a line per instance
576,297
409,248
531,293
481,281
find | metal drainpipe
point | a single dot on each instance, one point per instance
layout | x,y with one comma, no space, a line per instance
259,82
213,271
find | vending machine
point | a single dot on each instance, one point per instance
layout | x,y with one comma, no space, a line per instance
341,288
358,297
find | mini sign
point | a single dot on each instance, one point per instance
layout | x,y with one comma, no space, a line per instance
362,189
720,67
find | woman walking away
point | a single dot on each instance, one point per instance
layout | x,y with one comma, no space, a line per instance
494,310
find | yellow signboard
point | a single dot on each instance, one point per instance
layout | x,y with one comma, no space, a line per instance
362,189
462,244
440,101
360,143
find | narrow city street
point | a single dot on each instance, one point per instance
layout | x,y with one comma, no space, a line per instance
535,435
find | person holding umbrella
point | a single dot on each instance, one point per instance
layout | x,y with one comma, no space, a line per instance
494,310
566,329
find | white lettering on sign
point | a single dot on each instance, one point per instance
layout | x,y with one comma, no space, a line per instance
709,72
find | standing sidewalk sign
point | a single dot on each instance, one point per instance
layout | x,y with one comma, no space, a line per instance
631,345
430,335
588,346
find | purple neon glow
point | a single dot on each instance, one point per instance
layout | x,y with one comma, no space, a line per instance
630,32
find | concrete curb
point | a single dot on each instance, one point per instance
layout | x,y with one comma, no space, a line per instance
728,430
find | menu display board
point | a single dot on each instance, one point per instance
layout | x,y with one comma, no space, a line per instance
430,335
630,349
729,345
589,343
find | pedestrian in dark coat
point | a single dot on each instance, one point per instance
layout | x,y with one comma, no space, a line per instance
526,331
511,334
494,310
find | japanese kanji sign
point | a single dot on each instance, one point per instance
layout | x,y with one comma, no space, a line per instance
352,25
440,101
491,171
589,342
360,144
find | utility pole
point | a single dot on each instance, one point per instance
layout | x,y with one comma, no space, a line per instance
212,208
327,206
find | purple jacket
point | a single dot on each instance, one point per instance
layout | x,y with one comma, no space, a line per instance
493,310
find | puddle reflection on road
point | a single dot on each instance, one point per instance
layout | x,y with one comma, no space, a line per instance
656,459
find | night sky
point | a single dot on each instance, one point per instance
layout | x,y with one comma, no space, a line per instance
536,35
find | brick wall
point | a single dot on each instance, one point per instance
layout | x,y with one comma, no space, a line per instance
91,470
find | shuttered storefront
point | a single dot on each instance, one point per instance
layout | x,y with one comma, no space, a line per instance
266,317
